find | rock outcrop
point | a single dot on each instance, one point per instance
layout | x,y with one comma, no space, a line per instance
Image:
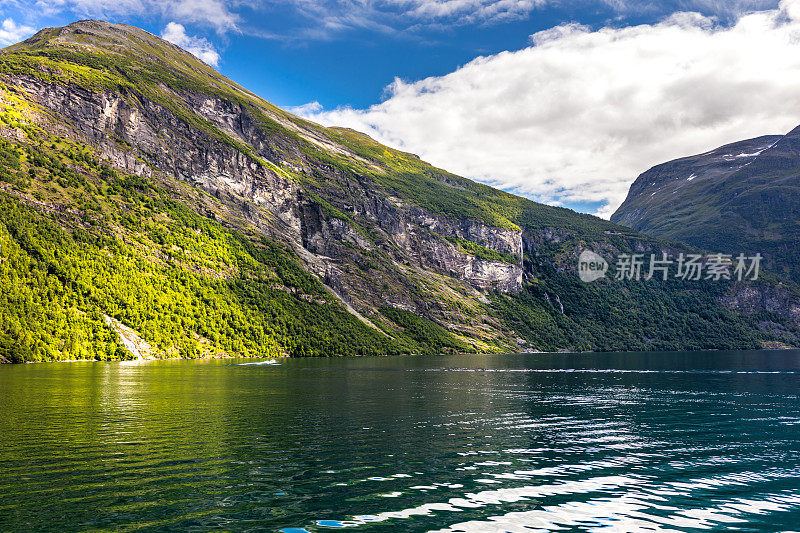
144,137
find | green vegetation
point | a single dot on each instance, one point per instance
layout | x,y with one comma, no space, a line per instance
57,284
424,335
556,310
482,252
194,275
187,285
624,316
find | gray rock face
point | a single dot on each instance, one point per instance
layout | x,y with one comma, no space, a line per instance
750,299
144,138
141,139
422,235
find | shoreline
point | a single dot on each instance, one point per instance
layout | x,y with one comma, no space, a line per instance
283,357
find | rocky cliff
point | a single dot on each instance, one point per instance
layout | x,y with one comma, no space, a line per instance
127,143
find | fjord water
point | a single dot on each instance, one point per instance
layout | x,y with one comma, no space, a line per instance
623,442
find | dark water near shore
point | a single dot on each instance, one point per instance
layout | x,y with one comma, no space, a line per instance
600,442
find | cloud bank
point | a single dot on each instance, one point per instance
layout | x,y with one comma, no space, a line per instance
11,32
326,19
197,46
576,116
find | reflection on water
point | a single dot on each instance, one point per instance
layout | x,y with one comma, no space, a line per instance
603,442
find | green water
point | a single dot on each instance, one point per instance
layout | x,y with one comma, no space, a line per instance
602,442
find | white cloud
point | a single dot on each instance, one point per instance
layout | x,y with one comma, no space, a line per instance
11,32
197,46
328,18
467,11
580,113
306,109
216,14
721,8
213,12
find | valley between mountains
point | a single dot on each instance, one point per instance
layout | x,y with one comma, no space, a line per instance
148,201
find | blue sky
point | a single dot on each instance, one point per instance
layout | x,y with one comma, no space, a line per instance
352,66
405,71
343,54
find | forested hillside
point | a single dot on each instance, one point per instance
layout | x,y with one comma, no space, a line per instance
140,189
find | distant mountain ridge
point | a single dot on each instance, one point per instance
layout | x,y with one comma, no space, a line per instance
741,197
141,188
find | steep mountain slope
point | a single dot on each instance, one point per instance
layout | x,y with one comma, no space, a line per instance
143,190
742,197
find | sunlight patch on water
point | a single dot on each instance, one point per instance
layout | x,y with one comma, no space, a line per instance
642,506
627,513
391,444
492,497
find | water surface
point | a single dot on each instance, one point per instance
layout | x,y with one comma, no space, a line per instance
600,442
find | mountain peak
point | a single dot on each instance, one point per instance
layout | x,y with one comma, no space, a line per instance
103,37
741,197
87,33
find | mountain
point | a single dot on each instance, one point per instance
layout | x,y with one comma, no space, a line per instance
152,207
740,198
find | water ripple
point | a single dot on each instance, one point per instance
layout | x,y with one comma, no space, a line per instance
451,444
